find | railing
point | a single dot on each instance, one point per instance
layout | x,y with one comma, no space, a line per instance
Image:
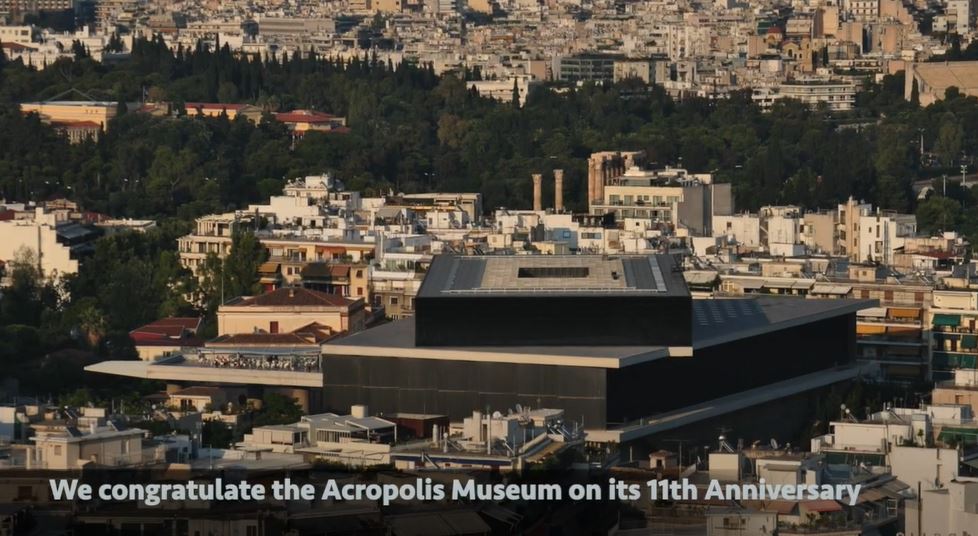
255,360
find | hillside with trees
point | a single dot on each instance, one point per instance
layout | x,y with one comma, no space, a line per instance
410,131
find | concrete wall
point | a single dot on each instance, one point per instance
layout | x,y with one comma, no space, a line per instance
230,321
931,468
42,240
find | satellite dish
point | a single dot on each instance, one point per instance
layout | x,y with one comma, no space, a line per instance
497,415
519,408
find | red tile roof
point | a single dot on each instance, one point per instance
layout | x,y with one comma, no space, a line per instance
304,116
292,297
213,106
15,47
310,334
167,332
821,506
339,271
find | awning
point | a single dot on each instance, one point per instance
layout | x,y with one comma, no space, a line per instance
877,312
969,341
947,320
746,284
826,288
963,435
904,312
269,267
869,329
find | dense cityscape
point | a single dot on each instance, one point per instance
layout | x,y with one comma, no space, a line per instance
493,242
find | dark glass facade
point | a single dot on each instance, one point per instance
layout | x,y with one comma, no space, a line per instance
596,396
599,320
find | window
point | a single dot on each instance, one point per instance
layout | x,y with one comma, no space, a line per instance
552,272
359,291
273,326
57,450
393,300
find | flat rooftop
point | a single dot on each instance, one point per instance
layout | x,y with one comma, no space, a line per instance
548,275
715,321
189,372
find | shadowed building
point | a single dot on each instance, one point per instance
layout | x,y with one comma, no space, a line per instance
607,339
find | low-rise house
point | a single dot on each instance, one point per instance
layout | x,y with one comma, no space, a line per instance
355,439
166,336
287,309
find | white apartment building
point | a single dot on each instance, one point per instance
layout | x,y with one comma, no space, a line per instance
882,234
950,510
357,439
502,90
37,237
837,96
964,14
899,439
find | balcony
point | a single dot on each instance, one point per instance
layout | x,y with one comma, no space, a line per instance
948,360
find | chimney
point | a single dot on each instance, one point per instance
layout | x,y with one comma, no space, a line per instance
359,411
537,191
592,178
603,177
558,190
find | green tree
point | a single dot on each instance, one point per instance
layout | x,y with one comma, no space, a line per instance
241,264
938,213
277,409
949,140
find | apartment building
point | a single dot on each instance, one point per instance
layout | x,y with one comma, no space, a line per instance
618,185
21,35
505,90
585,68
848,222
883,234
71,441
953,324
468,202
395,280
950,510
46,238
213,235
357,439
894,337
962,390
835,96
